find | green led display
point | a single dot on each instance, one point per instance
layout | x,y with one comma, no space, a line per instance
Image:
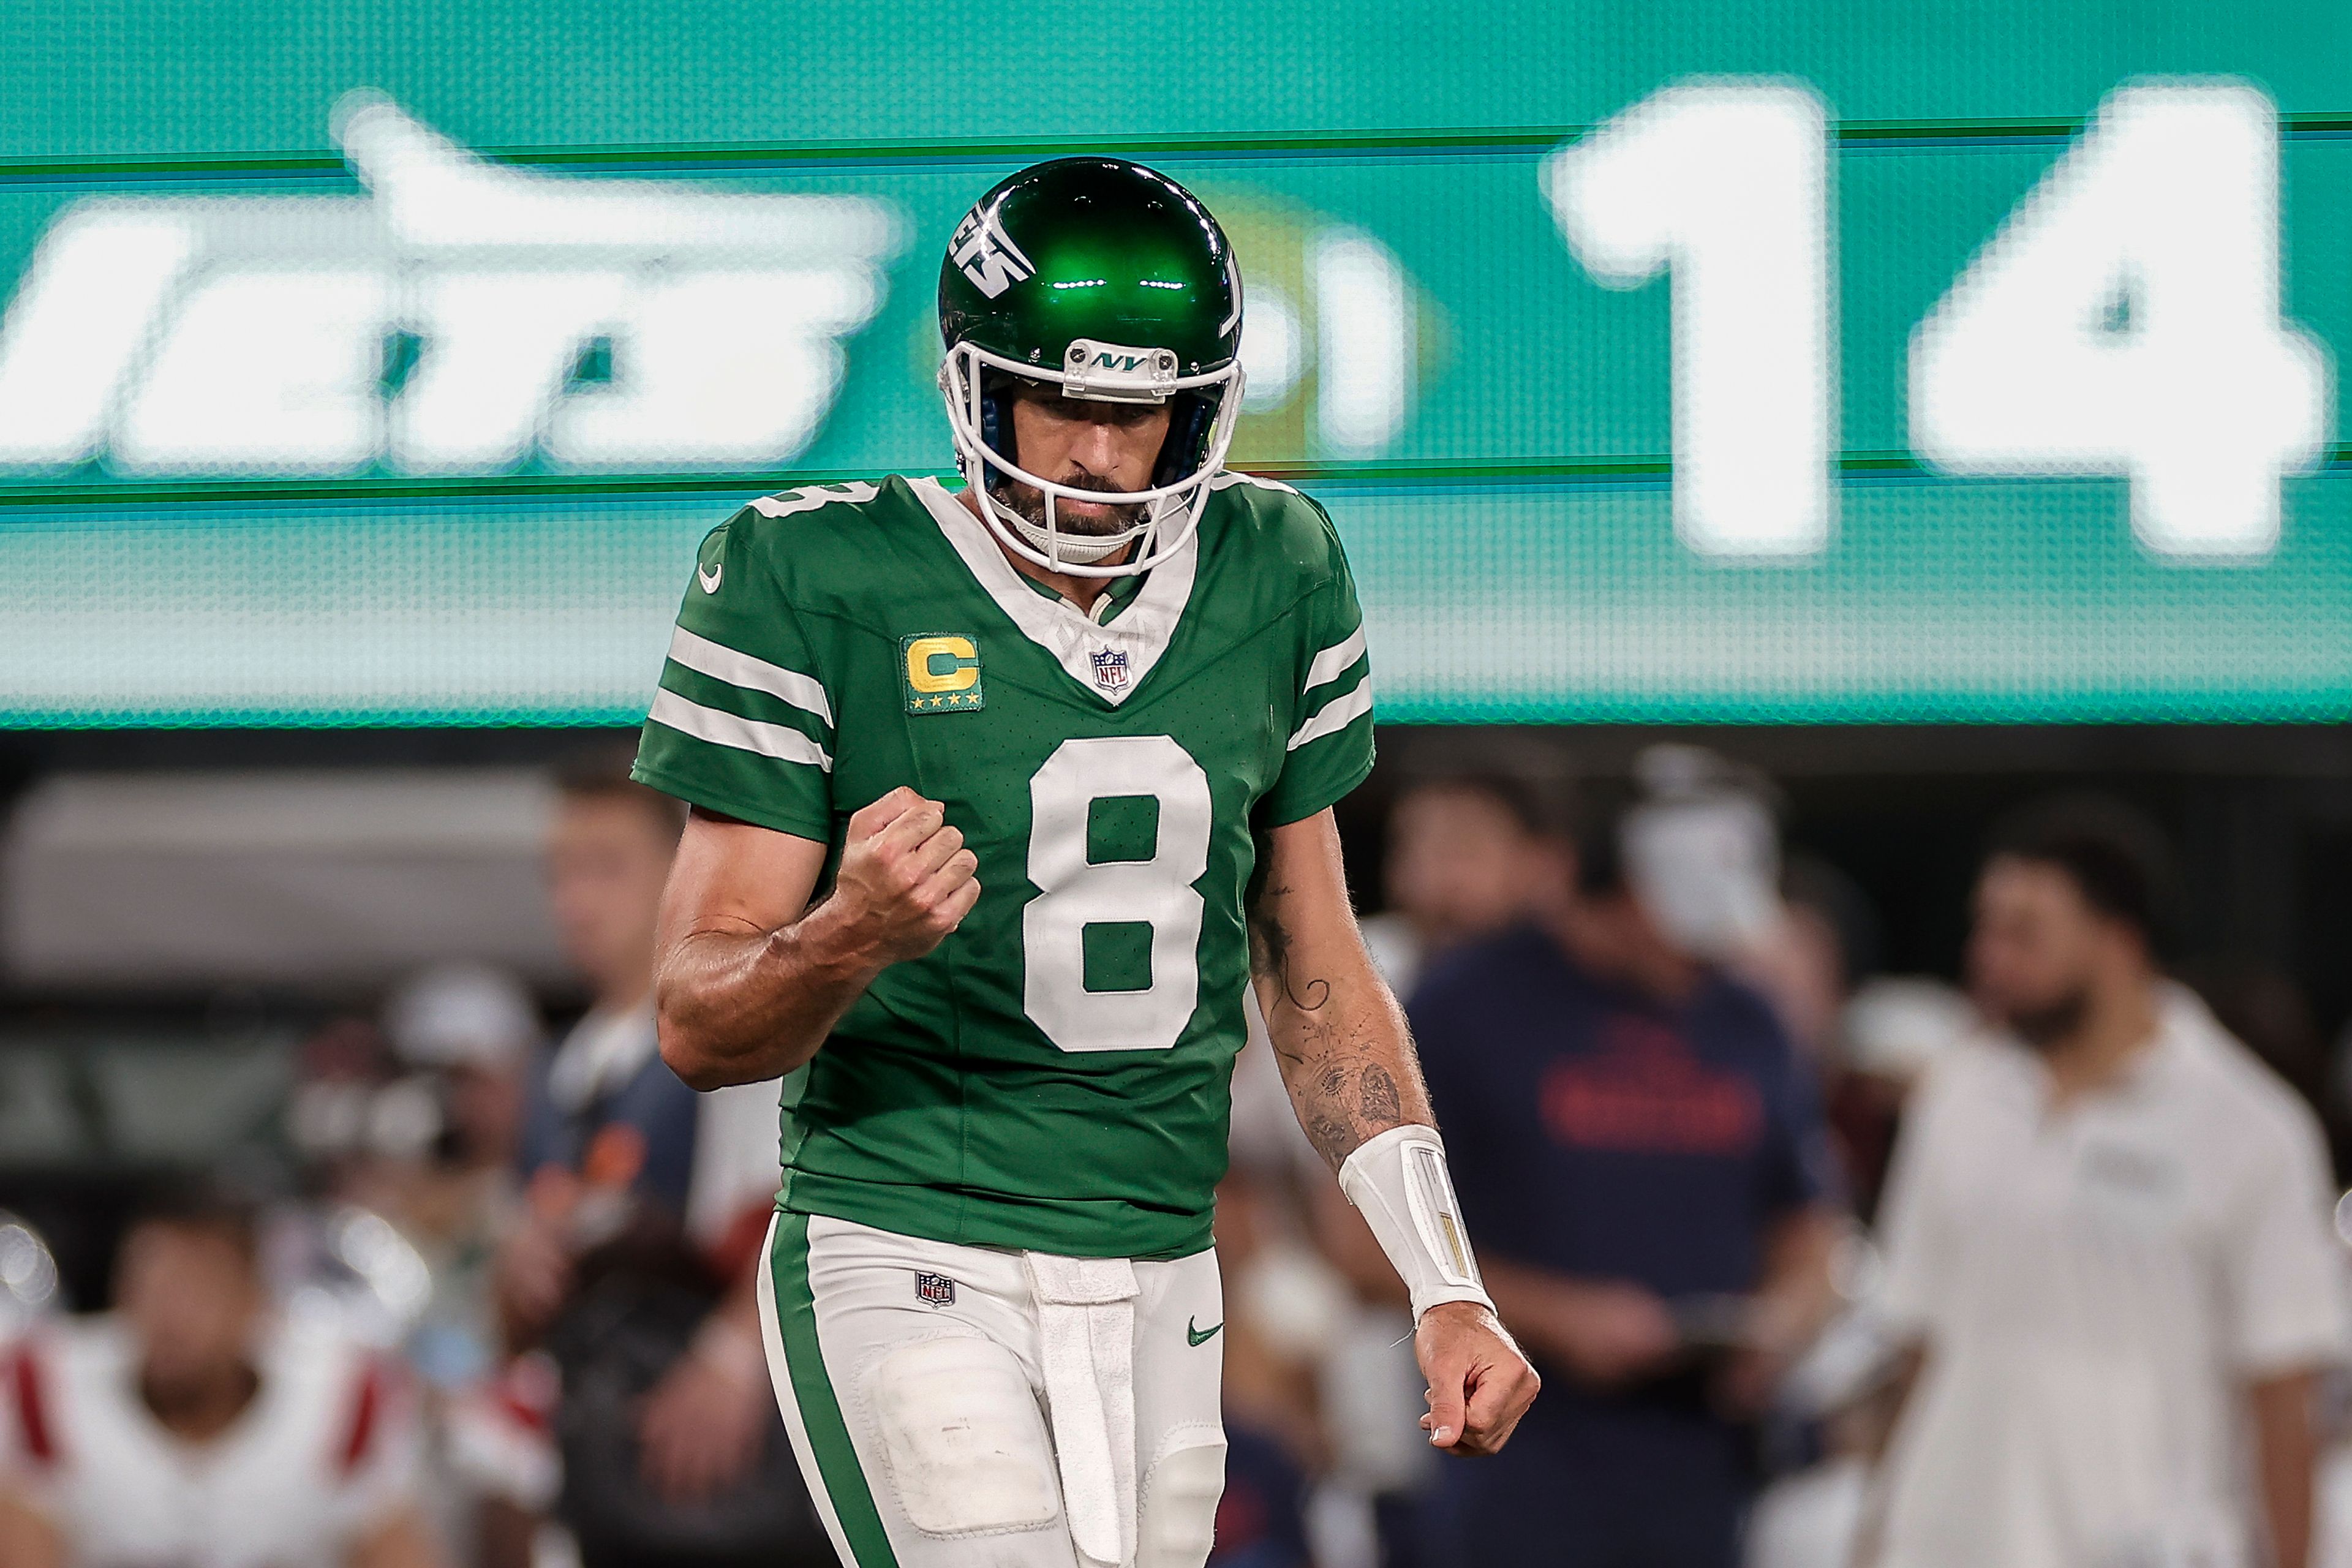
369,364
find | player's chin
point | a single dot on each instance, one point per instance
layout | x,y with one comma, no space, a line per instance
1092,518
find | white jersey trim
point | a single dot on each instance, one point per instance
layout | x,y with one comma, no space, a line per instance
736,669
1333,661
784,503
1229,477
780,741
1142,631
1336,716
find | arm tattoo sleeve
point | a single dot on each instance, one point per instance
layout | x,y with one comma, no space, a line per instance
1338,1049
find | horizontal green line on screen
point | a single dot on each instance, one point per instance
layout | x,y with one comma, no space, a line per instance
1639,471
738,157
2250,705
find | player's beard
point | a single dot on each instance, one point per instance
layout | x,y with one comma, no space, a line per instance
2045,1025
1030,503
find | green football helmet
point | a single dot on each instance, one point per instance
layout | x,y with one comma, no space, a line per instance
1109,280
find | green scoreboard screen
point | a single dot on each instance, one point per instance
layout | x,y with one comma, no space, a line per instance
369,363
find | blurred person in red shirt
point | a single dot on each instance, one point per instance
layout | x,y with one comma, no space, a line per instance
2108,1245
194,1425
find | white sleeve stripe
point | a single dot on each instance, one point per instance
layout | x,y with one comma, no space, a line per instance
780,741
1333,661
1336,716
724,663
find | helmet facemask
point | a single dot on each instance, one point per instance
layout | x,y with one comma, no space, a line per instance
1202,411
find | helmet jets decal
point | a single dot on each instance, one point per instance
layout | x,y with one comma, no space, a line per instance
987,256
1107,281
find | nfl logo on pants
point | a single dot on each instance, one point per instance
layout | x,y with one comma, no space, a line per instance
935,1290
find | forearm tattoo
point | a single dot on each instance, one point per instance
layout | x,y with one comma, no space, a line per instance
1334,1058
1270,953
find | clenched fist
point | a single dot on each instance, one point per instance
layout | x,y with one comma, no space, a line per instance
1479,1381
906,880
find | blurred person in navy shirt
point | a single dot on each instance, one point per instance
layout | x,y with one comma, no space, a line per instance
1644,1153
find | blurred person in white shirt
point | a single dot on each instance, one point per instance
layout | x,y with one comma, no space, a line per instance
193,1426
2108,1244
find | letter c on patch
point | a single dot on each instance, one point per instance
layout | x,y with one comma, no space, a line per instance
943,664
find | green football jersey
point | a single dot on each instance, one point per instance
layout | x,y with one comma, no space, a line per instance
1055,1075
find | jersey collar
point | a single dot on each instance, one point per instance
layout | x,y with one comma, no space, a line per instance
1141,628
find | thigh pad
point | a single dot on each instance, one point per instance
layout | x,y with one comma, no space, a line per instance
963,1438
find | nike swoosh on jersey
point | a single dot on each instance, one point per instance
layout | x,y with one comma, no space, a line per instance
1197,1337
709,579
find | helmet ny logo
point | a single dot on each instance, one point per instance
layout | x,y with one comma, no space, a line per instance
987,255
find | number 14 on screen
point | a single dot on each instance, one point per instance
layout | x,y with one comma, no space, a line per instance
2123,321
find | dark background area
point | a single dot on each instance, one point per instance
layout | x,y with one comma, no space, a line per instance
2260,817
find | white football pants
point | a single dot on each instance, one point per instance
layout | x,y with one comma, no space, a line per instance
970,1407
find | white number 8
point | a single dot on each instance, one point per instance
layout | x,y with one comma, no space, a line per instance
1073,894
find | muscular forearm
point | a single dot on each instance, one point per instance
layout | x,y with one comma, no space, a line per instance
738,1006
1347,1059
1338,1036
1340,1040
751,979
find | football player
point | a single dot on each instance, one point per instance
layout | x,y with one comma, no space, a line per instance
1002,797
194,1426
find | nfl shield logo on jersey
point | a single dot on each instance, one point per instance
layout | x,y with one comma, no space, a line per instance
1110,668
935,1290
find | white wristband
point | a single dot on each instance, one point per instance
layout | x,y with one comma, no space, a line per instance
1397,1181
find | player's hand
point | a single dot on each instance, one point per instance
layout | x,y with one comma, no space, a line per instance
703,1425
906,880
532,1276
1607,1332
1479,1383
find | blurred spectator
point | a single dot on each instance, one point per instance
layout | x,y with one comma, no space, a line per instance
1643,1159
1471,850
1829,937
463,1036
193,1425
2260,1003
476,1027
1260,1520
1468,854
465,1033
1282,1304
632,1261
1702,853
1889,1034
2107,1239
